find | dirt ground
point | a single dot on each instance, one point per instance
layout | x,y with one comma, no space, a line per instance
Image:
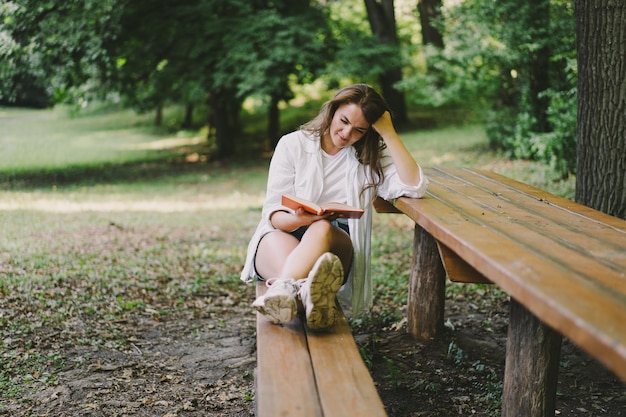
201,361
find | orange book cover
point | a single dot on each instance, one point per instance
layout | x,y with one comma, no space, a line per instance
342,210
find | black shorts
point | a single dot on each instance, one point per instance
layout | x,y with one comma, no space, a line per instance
299,232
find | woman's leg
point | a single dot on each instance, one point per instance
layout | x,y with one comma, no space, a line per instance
321,237
281,255
323,254
273,250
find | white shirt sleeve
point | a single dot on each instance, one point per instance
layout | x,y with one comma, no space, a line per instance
393,187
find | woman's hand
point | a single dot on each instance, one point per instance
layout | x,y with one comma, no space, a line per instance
307,218
408,170
384,126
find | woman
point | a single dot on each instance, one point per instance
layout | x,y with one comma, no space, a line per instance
349,153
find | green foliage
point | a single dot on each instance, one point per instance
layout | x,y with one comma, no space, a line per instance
56,44
358,54
515,122
217,53
269,47
558,147
487,61
465,71
513,132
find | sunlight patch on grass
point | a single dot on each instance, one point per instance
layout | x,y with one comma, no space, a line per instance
52,204
36,139
162,144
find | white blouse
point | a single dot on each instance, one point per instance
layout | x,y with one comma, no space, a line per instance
297,168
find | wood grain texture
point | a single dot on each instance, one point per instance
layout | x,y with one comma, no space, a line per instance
285,383
344,382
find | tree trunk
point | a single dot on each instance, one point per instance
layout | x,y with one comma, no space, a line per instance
273,124
539,18
158,115
429,11
225,112
188,122
601,125
381,16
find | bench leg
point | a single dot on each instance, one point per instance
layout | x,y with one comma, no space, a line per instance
426,287
532,364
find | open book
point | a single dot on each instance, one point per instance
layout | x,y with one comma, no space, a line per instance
342,210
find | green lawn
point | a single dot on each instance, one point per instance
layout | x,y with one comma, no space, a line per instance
45,139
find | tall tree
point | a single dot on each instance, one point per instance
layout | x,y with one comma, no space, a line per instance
601,127
429,12
539,63
381,15
279,44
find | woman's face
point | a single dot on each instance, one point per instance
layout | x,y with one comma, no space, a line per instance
347,127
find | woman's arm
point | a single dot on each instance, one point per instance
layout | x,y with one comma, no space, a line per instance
281,178
407,168
289,222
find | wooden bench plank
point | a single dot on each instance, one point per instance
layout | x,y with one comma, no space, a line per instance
282,351
582,298
346,387
589,213
304,373
294,381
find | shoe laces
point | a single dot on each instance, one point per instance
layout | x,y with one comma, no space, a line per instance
298,284
301,286
270,282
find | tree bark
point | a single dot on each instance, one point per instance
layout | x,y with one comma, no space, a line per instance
601,125
158,115
381,16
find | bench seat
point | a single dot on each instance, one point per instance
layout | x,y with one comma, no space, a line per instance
305,373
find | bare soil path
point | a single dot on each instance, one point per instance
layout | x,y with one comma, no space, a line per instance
201,362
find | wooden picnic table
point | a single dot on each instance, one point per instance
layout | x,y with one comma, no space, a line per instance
563,264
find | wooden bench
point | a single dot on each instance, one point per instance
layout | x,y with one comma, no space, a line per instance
305,373
563,264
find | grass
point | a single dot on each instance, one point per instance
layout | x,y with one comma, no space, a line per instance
104,216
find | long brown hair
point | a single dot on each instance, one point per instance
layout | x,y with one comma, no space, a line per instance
370,146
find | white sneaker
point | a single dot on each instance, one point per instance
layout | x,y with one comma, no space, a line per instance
279,302
318,292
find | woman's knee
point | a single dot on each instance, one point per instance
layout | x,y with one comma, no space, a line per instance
323,227
320,232
329,237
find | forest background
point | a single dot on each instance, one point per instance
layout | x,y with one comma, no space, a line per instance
510,64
